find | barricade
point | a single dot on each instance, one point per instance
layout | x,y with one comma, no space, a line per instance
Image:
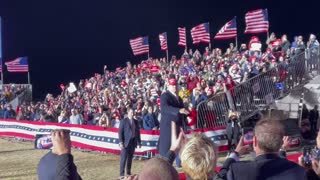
96,138
259,92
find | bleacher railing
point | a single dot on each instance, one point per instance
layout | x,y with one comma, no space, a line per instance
259,92
25,96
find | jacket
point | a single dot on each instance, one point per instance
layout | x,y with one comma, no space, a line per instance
125,132
169,107
264,167
150,121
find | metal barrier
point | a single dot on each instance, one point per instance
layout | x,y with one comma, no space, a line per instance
213,112
259,92
25,96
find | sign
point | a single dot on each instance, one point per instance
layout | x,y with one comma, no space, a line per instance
72,88
255,47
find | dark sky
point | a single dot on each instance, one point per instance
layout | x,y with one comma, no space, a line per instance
72,39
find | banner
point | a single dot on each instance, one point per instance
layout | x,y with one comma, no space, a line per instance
98,138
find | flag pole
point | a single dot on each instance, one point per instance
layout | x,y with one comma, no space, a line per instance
237,34
28,77
186,47
1,51
237,42
167,52
148,55
209,37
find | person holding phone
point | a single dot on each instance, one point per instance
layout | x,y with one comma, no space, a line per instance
233,129
58,163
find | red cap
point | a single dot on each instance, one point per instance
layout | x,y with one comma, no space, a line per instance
172,82
123,83
252,57
254,38
158,101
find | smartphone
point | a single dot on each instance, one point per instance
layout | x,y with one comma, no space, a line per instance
43,141
306,156
247,134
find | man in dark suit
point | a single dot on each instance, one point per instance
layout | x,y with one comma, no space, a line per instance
129,138
267,165
171,107
233,130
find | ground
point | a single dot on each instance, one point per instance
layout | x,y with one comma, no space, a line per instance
19,160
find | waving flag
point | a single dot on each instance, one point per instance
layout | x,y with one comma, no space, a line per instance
228,31
257,21
18,65
140,45
200,33
182,37
163,41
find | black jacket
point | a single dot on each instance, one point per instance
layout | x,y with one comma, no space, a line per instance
264,167
125,132
233,132
170,106
66,169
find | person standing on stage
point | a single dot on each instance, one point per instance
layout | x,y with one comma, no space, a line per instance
129,138
172,109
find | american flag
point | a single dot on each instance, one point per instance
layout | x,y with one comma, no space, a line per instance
228,31
182,36
257,21
163,41
140,45
18,65
201,33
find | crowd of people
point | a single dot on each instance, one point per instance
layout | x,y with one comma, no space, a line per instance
7,94
103,99
159,94
199,157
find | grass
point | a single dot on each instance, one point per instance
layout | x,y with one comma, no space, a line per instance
19,160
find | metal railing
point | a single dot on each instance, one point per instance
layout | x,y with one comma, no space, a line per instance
259,92
25,96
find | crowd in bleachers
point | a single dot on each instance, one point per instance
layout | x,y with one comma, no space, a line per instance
103,99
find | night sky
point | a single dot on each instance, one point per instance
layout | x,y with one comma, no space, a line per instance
72,39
